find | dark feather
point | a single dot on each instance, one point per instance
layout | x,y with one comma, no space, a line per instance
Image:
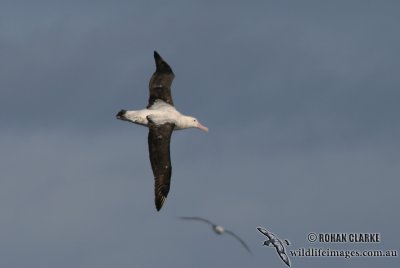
160,82
159,139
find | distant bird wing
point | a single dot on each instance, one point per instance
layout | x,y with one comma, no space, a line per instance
159,139
239,239
198,219
265,232
284,258
160,82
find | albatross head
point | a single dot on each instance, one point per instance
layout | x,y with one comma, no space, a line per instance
189,122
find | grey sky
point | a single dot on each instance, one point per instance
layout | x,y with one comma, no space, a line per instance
302,102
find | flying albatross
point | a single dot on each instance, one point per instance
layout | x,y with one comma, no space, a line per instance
219,230
161,117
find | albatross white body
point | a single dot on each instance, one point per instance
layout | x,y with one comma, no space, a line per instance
161,113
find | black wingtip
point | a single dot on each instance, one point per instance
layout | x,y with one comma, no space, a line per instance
156,55
159,201
161,65
161,193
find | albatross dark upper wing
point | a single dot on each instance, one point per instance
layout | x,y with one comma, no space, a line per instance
159,139
160,82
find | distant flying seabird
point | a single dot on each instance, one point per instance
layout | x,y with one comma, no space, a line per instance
274,241
219,230
161,117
